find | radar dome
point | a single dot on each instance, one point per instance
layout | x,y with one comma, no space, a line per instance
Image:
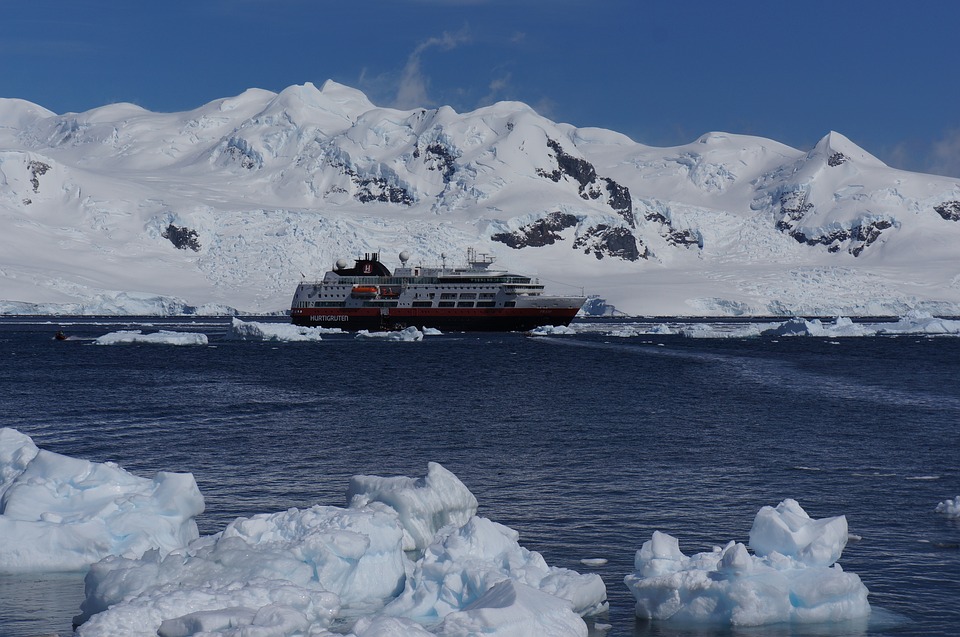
404,256
342,264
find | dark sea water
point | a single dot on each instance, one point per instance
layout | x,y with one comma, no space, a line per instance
585,444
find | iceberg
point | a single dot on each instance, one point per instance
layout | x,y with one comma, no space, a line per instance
425,505
842,327
306,571
553,330
950,508
282,332
792,577
409,334
63,514
919,322
163,337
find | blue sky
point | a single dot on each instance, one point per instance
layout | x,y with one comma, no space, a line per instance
883,73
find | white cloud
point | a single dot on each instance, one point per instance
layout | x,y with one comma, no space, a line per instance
945,155
412,90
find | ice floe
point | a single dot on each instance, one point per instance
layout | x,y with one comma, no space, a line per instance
285,332
792,577
951,508
163,337
59,513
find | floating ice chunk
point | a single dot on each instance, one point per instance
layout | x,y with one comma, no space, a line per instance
163,337
788,530
553,330
512,609
842,327
950,507
464,563
62,514
424,504
790,582
286,332
409,334
261,607
703,330
353,553
593,561
431,331
918,322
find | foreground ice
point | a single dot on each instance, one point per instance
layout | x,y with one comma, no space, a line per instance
425,504
62,514
950,507
163,337
791,577
286,332
316,571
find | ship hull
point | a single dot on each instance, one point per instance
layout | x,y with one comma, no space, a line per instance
445,319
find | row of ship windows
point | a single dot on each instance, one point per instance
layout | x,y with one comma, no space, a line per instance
416,304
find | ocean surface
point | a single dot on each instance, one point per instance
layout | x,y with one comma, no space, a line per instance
585,444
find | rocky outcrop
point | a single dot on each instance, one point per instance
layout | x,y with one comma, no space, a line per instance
436,156
590,185
36,169
860,235
239,151
836,159
603,240
539,233
182,237
949,210
675,237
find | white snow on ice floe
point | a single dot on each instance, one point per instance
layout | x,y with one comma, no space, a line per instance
285,332
842,327
163,337
298,572
791,577
951,508
62,514
553,330
425,504
409,334
917,322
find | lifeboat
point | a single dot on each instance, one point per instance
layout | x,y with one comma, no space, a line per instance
364,291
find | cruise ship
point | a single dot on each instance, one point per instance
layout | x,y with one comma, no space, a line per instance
473,297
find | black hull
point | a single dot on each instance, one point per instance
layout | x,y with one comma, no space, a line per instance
497,321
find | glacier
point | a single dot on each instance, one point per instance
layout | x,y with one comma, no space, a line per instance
223,209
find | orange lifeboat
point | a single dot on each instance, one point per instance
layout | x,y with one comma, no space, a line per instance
364,291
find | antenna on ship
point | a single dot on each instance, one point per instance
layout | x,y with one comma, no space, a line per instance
443,259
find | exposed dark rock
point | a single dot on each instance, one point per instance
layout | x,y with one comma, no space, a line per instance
793,206
836,159
861,236
602,240
539,233
949,210
240,151
590,185
439,157
182,238
376,188
36,169
685,238
379,189
674,237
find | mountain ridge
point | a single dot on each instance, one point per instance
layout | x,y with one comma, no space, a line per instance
228,205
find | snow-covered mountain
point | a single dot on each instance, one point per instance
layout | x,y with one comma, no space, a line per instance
123,210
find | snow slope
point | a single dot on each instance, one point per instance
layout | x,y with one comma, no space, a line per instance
121,210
